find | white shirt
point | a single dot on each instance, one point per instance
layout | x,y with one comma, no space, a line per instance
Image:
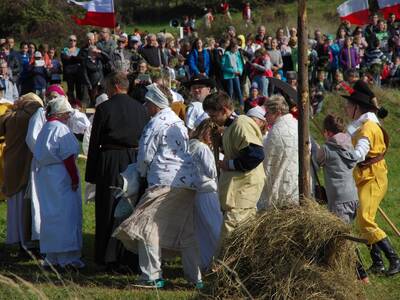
195,114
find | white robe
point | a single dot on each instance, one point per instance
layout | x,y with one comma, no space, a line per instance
207,213
281,164
78,123
163,155
60,206
36,123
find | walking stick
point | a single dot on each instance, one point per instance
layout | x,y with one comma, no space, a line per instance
216,143
391,224
384,215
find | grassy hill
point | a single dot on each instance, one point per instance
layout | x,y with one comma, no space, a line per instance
23,279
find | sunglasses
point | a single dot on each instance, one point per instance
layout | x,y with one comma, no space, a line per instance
72,40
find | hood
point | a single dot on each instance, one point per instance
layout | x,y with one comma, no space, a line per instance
29,103
341,143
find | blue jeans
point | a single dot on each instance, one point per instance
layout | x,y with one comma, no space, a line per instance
233,88
262,83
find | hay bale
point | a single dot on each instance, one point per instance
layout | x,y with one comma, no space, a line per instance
291,253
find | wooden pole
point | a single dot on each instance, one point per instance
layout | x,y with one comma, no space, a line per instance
303,103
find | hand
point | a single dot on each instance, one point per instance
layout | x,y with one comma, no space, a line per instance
223,164
237,73
74,186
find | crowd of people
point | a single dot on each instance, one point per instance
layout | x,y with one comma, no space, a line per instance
213,140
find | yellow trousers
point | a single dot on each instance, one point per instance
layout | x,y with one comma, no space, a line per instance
233,217
371,193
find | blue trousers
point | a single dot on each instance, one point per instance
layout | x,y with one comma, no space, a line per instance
233,89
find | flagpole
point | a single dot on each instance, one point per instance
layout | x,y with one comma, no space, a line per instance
303,104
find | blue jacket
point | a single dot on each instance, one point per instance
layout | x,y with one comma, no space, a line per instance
192,62
227,69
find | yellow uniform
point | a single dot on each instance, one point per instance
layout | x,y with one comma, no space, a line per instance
240,191
371,181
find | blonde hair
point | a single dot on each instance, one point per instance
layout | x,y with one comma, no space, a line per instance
277,103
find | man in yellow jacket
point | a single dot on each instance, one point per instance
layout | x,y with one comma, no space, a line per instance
370,143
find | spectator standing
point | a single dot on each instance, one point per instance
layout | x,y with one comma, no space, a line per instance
72,69
152,53
246,13
199,59
7,86
232,67
349,58
55,68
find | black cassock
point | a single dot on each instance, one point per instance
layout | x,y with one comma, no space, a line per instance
117,126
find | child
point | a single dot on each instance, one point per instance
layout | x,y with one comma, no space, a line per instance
338,159
208,216
255,99
261,69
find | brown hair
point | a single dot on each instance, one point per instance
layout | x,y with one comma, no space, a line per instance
204,127
334,124
217,101
117,78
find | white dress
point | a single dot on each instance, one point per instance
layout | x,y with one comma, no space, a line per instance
60,206
78,123
207,214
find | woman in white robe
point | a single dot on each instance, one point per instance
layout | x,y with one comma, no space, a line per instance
77,122
57,181
281,156
207,214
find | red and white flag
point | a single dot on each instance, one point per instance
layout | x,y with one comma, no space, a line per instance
99,13
354,11
387,7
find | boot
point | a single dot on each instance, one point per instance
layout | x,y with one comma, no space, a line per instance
377,266
391,255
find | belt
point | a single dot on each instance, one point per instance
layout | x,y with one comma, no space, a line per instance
117,147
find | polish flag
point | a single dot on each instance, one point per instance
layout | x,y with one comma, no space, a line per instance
354,11
99,13
387,7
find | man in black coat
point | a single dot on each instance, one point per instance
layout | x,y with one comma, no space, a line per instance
117,126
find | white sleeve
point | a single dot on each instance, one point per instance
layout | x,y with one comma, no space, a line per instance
362,148
148,146
78,122
190,117
207,161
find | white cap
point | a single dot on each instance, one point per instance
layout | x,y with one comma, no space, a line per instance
155,96
38,54
59,105
257,112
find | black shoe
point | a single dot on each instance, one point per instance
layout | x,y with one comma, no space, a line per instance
391,255
377,266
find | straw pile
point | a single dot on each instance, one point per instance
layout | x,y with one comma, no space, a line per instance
292,253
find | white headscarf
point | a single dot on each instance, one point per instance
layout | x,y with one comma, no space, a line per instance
155,96
59,105
257,112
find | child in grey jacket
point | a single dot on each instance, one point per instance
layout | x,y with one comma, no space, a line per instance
338,160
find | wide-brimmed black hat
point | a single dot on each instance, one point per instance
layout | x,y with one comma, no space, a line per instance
362,95
361,99
200,80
